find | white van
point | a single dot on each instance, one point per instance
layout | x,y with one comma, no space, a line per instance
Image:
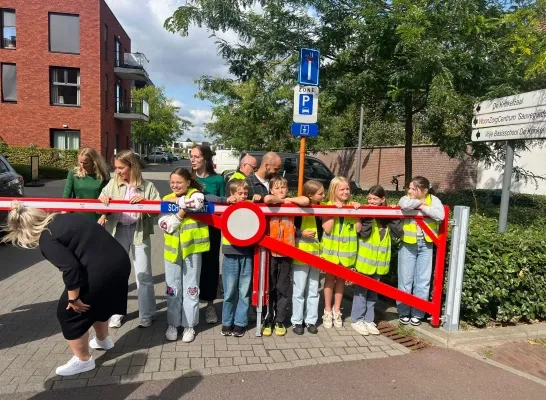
226,160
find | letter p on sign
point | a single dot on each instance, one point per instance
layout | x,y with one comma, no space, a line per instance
306,104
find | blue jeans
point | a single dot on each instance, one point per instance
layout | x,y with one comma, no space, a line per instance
236,275
364,303
182,279
305,296
414,271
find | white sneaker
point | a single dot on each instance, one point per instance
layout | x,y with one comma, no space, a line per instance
338,320
372,328
105,344
171,334
210,315
360,327
115,321
327,319
145,322
75,366
188,335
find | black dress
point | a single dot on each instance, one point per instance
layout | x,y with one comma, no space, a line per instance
90,259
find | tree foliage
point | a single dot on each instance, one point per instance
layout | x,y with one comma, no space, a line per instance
417,66
164,124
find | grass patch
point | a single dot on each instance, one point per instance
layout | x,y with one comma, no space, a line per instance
403,330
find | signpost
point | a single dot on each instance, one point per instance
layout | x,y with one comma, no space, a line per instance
518,117
306,103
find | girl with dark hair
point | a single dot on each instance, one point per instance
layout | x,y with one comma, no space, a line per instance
374,256
202,168
186,239
415,254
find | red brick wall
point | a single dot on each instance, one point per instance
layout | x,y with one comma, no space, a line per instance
379,164
30,120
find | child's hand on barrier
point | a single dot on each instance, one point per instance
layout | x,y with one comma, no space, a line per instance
231,200
338,204
356,205
104,200
136,199
256,197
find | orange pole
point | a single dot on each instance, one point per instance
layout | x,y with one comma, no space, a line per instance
302,166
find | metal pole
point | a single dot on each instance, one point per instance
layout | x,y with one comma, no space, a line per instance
359,151
457,257
260,293
506,183
301,166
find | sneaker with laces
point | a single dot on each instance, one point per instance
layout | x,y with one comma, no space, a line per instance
328,319
312,329
360,327
298,329
210,315
338,319
372,328
115,321
145,322
404,320
75,366
105,344
188,335
171,334
238,331
415,321
280,329
227,330
266,330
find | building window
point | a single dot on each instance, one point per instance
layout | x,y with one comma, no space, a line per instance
117,52
65,140
9,83
117,98
105,42
106,91
64,33
65,86
8,31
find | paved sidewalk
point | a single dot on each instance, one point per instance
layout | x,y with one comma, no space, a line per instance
31,345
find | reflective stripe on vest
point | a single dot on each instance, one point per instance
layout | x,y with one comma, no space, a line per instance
410,227
340,247
374,254
312,246
189,238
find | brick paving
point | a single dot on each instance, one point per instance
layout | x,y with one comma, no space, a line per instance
523,356
31,345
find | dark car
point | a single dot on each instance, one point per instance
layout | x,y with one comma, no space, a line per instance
313,169
11,185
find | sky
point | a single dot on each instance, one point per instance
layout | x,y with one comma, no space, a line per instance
175,61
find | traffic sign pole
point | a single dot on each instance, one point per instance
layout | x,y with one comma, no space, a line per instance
506,183
302,166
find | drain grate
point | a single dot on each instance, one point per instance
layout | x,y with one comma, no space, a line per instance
394,333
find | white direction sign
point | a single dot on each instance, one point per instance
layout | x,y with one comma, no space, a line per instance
306,104
522,116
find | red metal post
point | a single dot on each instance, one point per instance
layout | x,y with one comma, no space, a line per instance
439,270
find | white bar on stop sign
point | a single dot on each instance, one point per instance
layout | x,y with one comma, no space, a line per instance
512,117
523,100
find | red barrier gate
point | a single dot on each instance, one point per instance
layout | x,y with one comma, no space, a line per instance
244,224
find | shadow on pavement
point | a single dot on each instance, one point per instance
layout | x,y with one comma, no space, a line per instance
15,260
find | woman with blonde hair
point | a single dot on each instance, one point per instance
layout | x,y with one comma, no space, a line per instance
95,271
133,230
87,179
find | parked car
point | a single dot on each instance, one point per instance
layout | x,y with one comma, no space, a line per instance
11,185
225,161
313,169
156,156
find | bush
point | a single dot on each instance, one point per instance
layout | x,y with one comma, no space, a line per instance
43,172
60,159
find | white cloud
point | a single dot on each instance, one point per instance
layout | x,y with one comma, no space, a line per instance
198,117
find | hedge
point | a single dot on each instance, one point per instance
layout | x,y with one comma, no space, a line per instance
60,159
44,172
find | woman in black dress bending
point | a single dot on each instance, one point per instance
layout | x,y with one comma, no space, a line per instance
95,271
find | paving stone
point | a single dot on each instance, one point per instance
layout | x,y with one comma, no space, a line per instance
252,367
302,354
167,365
182,364
33,387
153,365
71,384
225,361
103,371
239,360
338,351
158,376
104,380
328,359
139,369
375,354
121,370
315,353
211,362
304,363
277,355
352,357
392,352
225,370
197,372
279,365
196,363
231,353
142,377
266,360
290,355
253,360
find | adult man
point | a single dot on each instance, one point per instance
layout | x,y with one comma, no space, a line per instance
259,182
247,166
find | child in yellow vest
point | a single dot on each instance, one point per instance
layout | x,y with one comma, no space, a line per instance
185,241
373,259
416,250
236,273
339,245
305,281
280,267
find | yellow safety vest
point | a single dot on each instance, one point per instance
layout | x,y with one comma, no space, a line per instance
374,254
191,236
312,246
410,226
340,247
237,175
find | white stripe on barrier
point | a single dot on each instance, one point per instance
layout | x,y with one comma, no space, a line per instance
153,207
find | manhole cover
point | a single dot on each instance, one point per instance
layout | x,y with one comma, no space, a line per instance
401,335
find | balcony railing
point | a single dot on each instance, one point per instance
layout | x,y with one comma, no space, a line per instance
132,110
132,66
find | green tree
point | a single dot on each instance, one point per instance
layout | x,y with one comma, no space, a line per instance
164,124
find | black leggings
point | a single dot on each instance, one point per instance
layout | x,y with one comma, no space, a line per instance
210,267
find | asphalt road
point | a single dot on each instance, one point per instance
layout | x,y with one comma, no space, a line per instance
433,373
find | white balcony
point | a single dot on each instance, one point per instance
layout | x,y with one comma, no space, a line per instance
132,67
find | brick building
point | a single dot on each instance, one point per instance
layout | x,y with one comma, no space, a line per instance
67,70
